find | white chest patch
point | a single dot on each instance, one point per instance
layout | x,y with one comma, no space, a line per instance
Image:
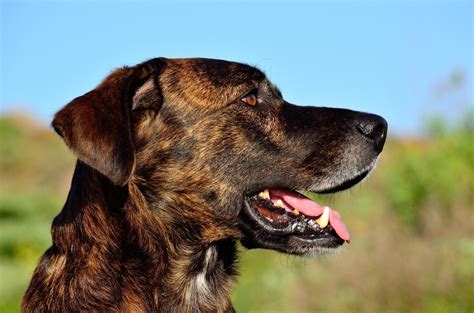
199,285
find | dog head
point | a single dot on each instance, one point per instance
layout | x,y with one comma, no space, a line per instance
218,153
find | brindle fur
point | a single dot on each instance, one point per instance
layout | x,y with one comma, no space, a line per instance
166,152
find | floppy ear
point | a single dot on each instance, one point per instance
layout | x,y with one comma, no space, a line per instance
97,125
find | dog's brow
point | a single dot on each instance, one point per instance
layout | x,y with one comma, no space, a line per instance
277,91
273,88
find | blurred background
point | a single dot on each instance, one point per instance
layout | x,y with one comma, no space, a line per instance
412,221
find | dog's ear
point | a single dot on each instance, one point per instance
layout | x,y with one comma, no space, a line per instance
97,125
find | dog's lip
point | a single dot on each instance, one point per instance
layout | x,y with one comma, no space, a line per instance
346,184
297,215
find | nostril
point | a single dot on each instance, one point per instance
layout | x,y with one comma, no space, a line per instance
372,130
366,129
374,127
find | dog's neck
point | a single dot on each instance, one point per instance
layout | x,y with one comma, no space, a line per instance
135,260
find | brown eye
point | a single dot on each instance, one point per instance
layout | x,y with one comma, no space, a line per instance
250,99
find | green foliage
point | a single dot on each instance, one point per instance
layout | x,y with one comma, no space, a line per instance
12,141
437,171
25,219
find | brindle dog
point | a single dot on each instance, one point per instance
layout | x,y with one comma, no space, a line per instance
178,159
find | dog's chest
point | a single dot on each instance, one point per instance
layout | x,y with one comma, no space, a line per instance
209,287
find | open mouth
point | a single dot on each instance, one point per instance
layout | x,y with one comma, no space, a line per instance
286,213
285,220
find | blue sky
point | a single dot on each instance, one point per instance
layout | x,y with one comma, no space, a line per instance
384,57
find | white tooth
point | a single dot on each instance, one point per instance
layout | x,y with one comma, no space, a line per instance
279,204
264,194
323,220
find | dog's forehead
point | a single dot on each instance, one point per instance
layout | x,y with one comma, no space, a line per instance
208,82
223,73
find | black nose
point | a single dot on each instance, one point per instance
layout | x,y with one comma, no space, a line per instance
374,127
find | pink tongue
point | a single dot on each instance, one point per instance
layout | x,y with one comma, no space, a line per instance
311,208
340,228
299,202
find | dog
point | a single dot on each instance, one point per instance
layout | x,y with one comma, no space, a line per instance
178,160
